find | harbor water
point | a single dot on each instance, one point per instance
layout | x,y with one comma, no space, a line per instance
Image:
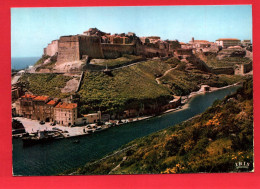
60,155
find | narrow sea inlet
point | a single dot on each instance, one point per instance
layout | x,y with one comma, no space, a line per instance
58,156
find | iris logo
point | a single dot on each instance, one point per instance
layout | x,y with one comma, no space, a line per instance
242,165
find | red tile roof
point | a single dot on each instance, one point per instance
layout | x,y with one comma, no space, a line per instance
227,39
28,96
66,105
41,98
51,102
201,41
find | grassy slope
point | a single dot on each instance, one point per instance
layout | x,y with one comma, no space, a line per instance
211,142
46,84
130,86
120,61
41,60
185,82
213,62
112,92
137,83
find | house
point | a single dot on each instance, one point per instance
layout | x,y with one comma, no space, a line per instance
39,106
92,118
199,43
26,106
227,42
246,42
49,110
65,113
16,92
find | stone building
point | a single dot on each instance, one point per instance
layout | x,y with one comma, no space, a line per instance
93,118
49,110
144,40
227,42
16,92
154,39
94,32
65,113
39,108
183,53
199,43
26,106
246,42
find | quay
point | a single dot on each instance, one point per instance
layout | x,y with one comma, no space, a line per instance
33,126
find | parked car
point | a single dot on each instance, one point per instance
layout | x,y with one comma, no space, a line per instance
53,124
42,122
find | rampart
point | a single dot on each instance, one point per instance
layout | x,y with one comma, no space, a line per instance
150,51
248,67
227,70
73,48
52,48
117,50
68,50
241,69
91,46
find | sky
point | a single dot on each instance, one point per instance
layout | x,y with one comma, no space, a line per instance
33,28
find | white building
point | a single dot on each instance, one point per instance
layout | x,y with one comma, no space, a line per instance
227,42
65,113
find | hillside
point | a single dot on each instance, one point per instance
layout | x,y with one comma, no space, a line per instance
211,142
214,61
150,82
117,62
46,84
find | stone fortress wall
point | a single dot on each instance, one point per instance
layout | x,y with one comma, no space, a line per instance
117,50
52,48
68,49
77,47
74,51
90,46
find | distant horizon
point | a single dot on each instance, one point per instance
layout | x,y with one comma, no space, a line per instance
25,56
32,29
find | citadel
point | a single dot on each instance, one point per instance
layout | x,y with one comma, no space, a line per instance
73,53
76,55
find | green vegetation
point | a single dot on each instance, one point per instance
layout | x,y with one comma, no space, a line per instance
214,62
211,142
46,84
41,60
132,86
124,60
48,65
125,89
184,82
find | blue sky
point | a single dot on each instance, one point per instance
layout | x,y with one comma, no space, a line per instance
33,28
